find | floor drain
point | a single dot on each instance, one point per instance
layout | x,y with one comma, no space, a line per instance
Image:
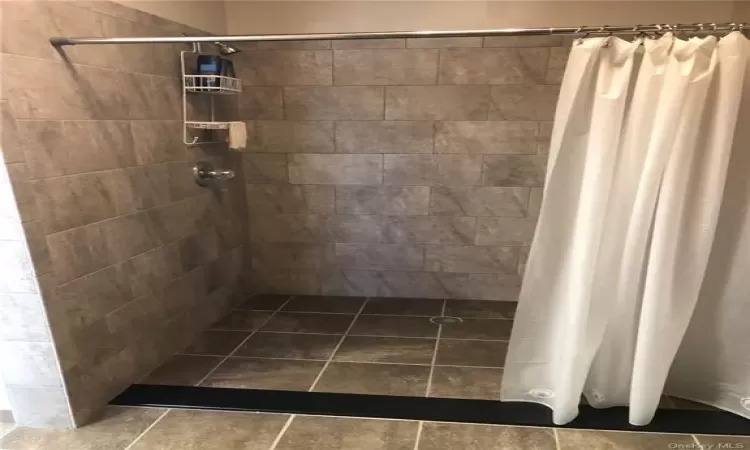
445,320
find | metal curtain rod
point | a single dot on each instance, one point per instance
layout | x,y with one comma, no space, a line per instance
698,28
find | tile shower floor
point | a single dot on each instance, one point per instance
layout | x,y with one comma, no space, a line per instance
351,344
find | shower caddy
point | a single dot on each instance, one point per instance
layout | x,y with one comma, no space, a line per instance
198,84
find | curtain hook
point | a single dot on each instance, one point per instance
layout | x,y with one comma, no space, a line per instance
585,34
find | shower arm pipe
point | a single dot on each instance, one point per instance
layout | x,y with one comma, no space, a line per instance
699,28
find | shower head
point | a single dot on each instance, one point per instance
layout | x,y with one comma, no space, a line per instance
225,49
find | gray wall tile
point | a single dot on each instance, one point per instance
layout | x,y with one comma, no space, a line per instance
493,66
384,137
385,67
26,401
486,137
288,45
392,200
335,169
523,41
523,102
480,201
368,43
500,170
333,103
289,199
433,169
471,259
263,168
558,58
286,67
444,42
505,231
436,103
292,255
545,135
429,230
256,102
292,137
32,364
22,318
380,256
315,228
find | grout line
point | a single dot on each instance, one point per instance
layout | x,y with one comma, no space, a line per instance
695,438
557,438
336,349
435,353
158,419
419,435
211,372
282,432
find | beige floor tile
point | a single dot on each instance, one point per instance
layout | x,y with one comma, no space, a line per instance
724,442
394,326
471,353
242,320
384,379
325,304
251,373
212,430
481,309
216,342
445,436
486,329
5,428
292,322
621,440
305,433
386,350
404,306
183,370
264,302
114,431
466,382
289,345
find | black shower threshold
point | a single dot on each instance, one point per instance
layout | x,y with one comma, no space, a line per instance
423,408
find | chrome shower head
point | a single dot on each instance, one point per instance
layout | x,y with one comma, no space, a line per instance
225,49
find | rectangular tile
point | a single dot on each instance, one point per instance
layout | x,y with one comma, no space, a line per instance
480,329
444,42
290,45
481,309
245,321
453,352
264,302
432,285
264,168
379,379
372,325
22,318
368,43
486,137
523,102
446,170
523,41
258,102
481,437
289,346
289,199
335,169
313,228
429,230
403,306
384,137
574,439
286,67
292,137
183,370
480,201
27,413
32,364
292,255
380,256
292,322
392,200
504,231
385,67
333,103
366,434
386,350
436,103
324,304
521,170
466,382
471,259
216,342
77,252
558,58
493,66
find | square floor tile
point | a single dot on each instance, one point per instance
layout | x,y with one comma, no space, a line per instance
404,306
443,436
348,434
290,346
621,440
383,379
242,320
485,329
471,353
216,342
466,382
183,370
324,304
386,349
252,373
309,323
724,442
481,309
219,430
394,326
264,302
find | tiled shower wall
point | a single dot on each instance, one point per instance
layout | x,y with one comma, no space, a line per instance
130,258
403,168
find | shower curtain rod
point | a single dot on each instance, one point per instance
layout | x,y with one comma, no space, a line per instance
696,28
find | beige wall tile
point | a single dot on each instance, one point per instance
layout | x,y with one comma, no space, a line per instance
335,169
480,201
429,230
523,41
558,58
523,102
289,199
486,137
380,256
505,231
384,137
471,259
286,68
292,255
385,67
264,168
368,43
493,66
444,42
293,137
433,169
514,170
316,229
436,103
392,200
333,103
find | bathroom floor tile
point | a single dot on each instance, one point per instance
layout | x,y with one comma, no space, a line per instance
199,430
471,353
484,329
216,342
242,320
252,373
183,370
620,440
304,433
394,326
290,346
386,350
719,442
116,429
367,378
324,304
443,436
264,302
466,382
481,309
309,323
404,306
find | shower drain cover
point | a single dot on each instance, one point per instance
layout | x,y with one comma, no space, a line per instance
445,320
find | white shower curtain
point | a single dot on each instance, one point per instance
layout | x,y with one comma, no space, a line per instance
635,185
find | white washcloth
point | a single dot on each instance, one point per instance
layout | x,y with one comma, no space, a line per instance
237,136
